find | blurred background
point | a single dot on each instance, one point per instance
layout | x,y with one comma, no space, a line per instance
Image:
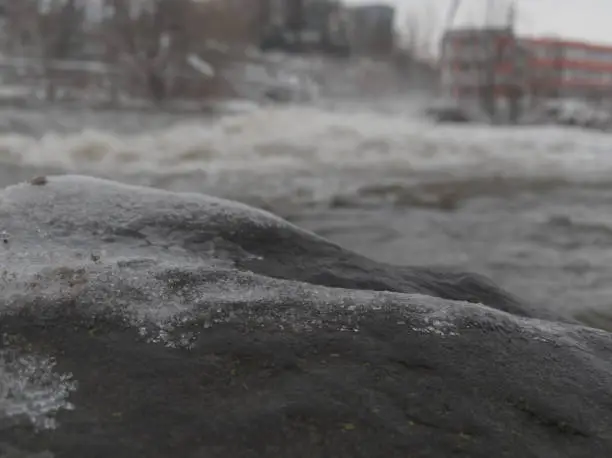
473,133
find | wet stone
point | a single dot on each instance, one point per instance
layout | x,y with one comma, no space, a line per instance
212,329
39,181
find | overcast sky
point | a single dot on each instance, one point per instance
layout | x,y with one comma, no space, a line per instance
574,19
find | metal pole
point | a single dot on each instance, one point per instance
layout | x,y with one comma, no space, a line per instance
512,14
489,12
452,12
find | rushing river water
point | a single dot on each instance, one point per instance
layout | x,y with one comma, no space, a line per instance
529,207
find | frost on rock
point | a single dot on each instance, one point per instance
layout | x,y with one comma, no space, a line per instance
174,265
206,312
31,391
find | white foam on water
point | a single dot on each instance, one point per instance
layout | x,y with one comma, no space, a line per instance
312,139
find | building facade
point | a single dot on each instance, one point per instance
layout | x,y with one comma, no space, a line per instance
328,26
371,29
496,69
303,26
473,59
570,69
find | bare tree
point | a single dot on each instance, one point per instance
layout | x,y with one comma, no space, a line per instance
499,46
420,31
61,27
48,30
154,39
146,36
150,44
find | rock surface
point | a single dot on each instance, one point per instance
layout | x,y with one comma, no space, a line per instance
136,322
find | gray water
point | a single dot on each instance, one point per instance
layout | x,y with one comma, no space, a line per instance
529,207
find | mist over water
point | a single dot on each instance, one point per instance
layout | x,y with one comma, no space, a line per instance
527,206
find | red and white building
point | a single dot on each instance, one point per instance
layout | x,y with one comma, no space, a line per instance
572,69
495,61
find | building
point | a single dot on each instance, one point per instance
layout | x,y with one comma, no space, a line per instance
570,69
371,29
503,72
473,59
303,26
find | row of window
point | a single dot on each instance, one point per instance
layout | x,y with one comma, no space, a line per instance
480,73
466,66
477,77
585,75
571,53
560,72
488,49
567,74
477,51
